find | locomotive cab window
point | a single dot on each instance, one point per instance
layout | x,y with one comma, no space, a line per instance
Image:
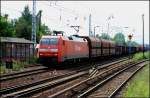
47,41
54,41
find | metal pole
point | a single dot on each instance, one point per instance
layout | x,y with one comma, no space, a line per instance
34,22
108,28
102,30
90,25
94,31
108,25
129,49
143,33
60,15
0,11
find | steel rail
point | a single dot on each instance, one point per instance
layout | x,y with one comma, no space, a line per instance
23,74
40,87
63,81
120,86
5,77
20,72
26,85
107,79
82,82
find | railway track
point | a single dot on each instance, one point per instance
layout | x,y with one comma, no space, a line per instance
31,71
15,75
79,90
83,83
25,86
104,88
32,65
29,89
126,80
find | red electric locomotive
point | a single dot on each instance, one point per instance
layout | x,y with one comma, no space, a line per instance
61,48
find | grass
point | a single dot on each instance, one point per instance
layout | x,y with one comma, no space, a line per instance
139,85
139,56
3,69
17,66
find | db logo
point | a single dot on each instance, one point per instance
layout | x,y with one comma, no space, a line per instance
77,48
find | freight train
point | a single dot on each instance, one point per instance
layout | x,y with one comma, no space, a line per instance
59,48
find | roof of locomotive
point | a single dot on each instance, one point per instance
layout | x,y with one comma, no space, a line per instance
70,38
50,36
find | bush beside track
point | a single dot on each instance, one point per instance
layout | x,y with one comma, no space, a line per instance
17,66
139,85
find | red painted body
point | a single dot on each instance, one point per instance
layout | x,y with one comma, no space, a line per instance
74,49
65,49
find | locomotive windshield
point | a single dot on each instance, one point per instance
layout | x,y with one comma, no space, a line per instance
49,41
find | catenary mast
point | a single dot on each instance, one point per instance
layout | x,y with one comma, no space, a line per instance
33,38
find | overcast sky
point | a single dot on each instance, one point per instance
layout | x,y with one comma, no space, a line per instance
125,14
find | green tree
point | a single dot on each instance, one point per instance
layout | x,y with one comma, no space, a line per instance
119,38
6,27
105,36
23,26
132,43
97,35
42,29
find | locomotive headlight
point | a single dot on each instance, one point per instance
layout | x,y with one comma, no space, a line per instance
54,50
48,50
42,50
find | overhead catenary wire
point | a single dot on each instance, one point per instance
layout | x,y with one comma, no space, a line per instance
60,17
62,9
61,12
18,11
65,19
67,10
